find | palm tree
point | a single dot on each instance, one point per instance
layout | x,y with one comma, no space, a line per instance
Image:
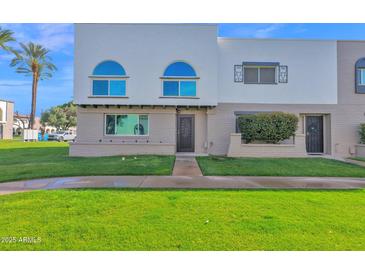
33,60
6,36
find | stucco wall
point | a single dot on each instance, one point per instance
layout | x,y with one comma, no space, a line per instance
311,69
341,120
348,53
91,139
145,50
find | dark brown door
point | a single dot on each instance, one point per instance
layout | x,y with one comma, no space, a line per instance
185,133
314,131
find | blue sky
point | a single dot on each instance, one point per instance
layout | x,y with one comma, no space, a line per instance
59,39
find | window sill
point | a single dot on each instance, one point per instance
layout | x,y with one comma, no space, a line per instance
178,97
180,77
105,96
260,83
109,76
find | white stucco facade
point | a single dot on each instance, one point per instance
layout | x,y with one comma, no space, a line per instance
145,50
318,73
312,73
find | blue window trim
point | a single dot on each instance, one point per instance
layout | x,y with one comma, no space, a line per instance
186,71
116,65
108,95
359,65
179,80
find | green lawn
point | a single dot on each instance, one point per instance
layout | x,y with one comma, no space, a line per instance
19,160
278,167
184,220
362,159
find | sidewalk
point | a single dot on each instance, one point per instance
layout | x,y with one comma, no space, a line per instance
186,166
184,182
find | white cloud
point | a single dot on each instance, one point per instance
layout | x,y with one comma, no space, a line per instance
56,37
14,83
251,30
267,31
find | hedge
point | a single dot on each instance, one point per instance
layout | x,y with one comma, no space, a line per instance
362,133
270,127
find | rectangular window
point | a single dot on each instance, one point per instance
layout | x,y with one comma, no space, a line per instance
109,87
170,88
251,75
179,88
259,75
117,87
362,76
126,124
100,87
187,88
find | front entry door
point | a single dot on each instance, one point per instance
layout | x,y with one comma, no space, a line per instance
314,131
185,133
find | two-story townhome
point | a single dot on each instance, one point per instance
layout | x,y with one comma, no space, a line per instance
170,88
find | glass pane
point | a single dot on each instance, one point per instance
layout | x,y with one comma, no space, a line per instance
143,124
127,124
100,87
117,87
251,75
110,124
187,88
170,88
179,69
267,75
362,76
109,68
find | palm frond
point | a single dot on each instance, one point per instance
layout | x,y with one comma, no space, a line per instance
6,36
34,58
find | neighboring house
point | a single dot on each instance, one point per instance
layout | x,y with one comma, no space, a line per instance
167,88
21,122
6,119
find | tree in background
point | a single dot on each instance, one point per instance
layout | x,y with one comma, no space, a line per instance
61,117
6,36
33,60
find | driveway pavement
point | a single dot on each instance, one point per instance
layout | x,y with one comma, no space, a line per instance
184,182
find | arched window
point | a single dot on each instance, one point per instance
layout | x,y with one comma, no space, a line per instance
109,79
179,79
360,75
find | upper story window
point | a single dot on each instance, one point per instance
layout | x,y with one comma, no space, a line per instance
179,80
109,79
260,72
360,75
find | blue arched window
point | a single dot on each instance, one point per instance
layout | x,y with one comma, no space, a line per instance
179,79
109,79
360,75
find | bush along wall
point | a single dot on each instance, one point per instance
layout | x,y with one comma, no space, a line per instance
362,133
272,127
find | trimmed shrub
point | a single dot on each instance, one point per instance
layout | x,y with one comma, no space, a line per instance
272,127
362,133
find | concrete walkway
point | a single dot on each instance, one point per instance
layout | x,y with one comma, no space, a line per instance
186,166
184,182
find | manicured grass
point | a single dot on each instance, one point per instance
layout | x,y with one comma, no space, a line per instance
184,220
19,160
278,167
362,159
